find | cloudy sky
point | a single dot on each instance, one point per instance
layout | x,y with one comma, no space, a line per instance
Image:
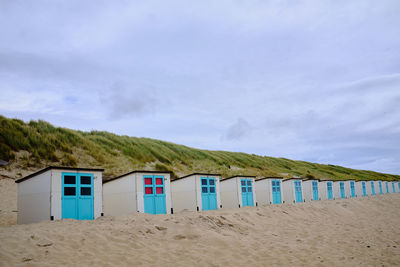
307,80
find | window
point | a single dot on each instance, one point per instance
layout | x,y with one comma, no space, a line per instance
211,182
69,179
203,181
204,190
86,191
249,189
86,180
243,189
159,181
148,190
69,191
243,183
160,190
148,181
212,189
248,183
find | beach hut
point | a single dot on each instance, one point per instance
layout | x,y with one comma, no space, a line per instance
361,188
339,189
350,189
197,191
269,190
325,189
387,187
372,186
138,191
238,191
292,190
393,188
310,190
380,186
56,193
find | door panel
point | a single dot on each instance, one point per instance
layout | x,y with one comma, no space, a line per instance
208,193
154,194
315,190
298,193
329,190
276,192
77,196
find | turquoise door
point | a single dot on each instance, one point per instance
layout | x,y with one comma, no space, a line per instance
387,187
276,192
297,191
247,192
329,190
154,194
342,195
77,196
208,193
372,188
315,190
364,189
393,188
352,189
398,186
380,188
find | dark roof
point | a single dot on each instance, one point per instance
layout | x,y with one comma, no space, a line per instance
311,179
136,171
56,168
267,178
199,173
292,179
236,176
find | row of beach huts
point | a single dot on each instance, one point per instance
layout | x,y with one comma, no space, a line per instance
56,193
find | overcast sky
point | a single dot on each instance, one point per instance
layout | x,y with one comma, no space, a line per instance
306,80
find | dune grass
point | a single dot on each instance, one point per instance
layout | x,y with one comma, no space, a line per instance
47,145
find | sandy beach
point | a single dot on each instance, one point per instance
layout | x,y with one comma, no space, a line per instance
350,232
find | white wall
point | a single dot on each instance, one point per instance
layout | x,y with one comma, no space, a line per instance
34,199
347,189
336,190
230,194
263,189
119,196
288,191
183,193
359,191
322,190
307,190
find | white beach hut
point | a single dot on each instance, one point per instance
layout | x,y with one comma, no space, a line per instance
138,191
361,188
292,190
197,191
387,191
269,190
311,190
381,187
325,189
393,189
56,193
350,188
238,191
339,189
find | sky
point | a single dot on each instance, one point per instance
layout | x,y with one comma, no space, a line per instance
307,80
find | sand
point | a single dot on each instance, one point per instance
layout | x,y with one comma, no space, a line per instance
362,231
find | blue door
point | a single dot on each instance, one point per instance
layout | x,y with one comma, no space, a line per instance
393,188
77,196
247,192
387,187
372,188
364,189
154,194
276,192
380,188
398,186
352,189
297,191
208,193
315,190
342,195
329,190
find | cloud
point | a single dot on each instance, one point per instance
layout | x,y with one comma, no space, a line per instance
127,101
238,130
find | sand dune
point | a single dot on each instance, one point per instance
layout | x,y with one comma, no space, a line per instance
363,231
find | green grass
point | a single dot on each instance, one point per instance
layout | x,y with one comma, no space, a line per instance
47,145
